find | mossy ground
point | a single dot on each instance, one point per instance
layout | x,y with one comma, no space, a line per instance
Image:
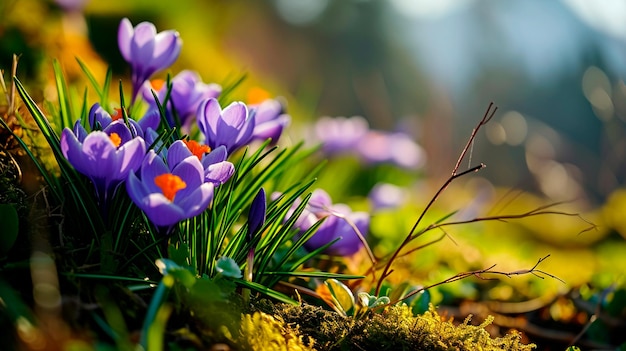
395,328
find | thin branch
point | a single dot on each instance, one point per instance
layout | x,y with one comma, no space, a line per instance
539,211
486,118
480,275
424,245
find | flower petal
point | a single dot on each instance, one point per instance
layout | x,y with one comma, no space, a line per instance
72,149
209,112
99,151
132,153
268,110
177,152
121,129
161,211
256,219
137,190
217,155
350,242
98,115
235,114
225,135
219,173
151,120
152,166
245,134
271,129
142,43
124,37
191,172
196,202
167,46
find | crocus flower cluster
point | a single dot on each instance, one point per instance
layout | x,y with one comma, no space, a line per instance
339,222
353,135
173,181
187,92
170,186
232,127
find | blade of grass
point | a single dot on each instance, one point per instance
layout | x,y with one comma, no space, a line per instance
63,96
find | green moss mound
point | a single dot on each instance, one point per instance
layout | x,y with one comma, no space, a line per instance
395,328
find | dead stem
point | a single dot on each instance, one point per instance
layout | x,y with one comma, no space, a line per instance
486,118
480,275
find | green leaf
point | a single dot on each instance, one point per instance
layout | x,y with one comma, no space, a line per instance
10,227
421,303
267,291
90,76
207,291
227,267
342,296
179,273
179,253
324,275
82,197
63,95
12,305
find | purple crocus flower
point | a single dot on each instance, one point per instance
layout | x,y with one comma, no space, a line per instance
387,196
187,92
172,192
340,134
106,157
256,219
216,169
270,120
99,118
146,50
339,223
231,127
385,147
71,5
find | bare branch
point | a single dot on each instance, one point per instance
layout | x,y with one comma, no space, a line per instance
486,118
480,275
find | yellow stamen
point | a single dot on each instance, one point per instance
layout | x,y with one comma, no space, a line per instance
196,148
257,95
170,184
115,138
157,84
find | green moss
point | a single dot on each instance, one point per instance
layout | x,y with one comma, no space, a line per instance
260,332
396,328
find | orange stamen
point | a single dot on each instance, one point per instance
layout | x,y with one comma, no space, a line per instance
257,95
170,184
157,84
196,148
118,114
115,138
